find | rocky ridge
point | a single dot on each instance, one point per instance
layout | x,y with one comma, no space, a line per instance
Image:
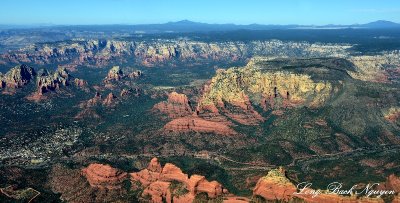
150,53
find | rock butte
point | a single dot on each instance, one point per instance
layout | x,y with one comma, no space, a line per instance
176,106
275,186
157,182
104,176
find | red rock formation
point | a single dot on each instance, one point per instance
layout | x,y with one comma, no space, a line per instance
392,183
80,83
87,113
115,73
147,175
75,188
197,124
47,81
158,191
17,77
104,176
275,186
92,102
159,183
109,100
154,165
135,74
176,106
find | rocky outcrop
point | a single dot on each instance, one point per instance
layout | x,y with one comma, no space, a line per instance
80,82
376,68
104,176
392,183
197,124
185,120
392,114
169,183
47,82
110,100
176,106
116,74
17,77
275,186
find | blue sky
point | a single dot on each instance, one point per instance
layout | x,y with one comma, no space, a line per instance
304,12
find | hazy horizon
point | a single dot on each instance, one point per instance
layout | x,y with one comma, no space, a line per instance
136,12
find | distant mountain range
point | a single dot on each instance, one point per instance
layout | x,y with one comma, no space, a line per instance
190,26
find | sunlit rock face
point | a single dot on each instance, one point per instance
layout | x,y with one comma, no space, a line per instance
47,81
235,91
377,68
17,77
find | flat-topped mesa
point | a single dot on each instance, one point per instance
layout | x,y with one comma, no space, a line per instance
17,77
171,184
104,176
176,106
234,91
233,86
197,124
